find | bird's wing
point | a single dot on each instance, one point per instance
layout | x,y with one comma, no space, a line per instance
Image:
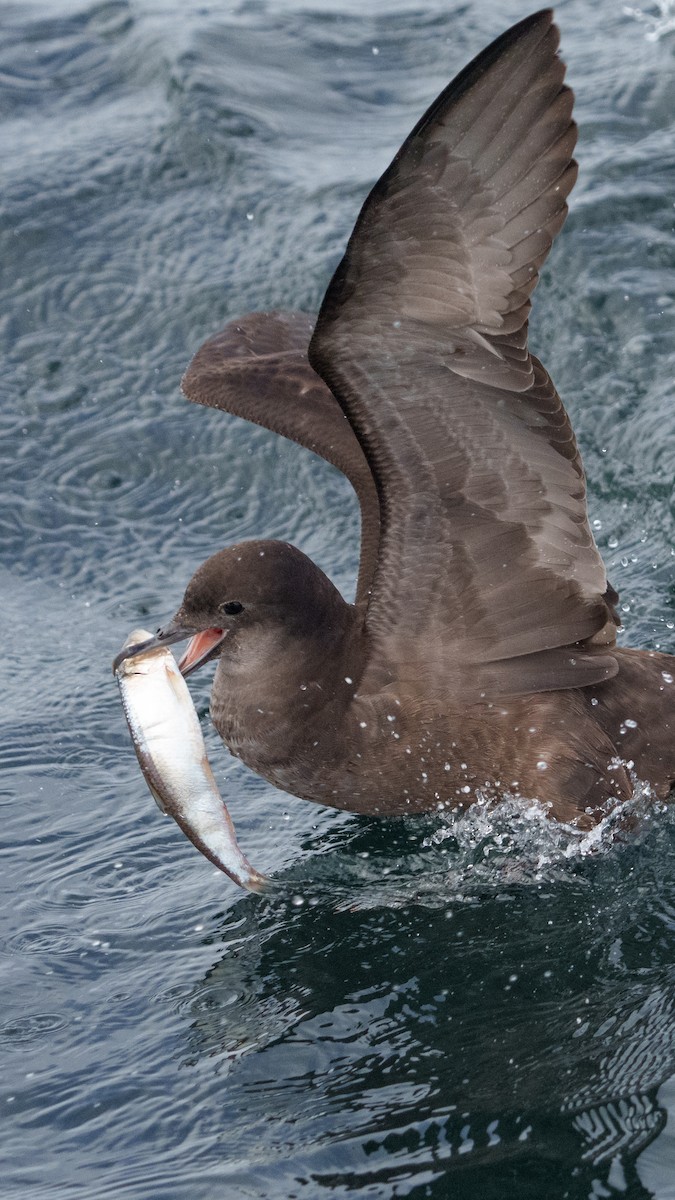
487,571
257,368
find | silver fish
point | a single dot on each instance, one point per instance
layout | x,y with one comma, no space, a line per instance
170,748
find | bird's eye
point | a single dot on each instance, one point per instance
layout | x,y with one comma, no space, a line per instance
231,608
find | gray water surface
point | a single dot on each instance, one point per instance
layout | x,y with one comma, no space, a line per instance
484,1009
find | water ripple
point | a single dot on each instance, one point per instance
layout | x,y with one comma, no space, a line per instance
480,1005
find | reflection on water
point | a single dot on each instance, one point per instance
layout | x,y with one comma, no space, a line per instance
475,1007
522,1024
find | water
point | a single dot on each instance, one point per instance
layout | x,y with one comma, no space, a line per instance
479,1009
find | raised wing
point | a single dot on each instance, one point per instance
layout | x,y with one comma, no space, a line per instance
257,368
488,573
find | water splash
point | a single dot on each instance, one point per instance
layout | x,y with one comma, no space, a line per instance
516,839
489,848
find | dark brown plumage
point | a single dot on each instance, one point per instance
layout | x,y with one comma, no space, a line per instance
480,654
258,368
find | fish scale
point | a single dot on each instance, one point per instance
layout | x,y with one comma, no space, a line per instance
170,748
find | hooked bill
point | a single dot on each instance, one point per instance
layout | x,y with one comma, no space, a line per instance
170,748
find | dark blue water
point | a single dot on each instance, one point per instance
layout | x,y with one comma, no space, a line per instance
485,1009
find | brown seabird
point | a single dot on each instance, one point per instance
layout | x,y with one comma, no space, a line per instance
480,654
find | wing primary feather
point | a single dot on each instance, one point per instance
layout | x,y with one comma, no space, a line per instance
422,337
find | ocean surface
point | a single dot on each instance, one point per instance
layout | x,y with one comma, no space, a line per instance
482,1008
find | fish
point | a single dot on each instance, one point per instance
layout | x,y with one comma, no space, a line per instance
170,748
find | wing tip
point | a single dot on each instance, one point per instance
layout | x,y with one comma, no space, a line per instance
542,20
267,334
538,37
